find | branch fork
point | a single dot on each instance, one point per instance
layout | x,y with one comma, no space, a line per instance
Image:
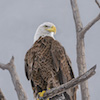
80,33
15,79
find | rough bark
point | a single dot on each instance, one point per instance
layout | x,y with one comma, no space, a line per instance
80,32
15,79
2,96
62,88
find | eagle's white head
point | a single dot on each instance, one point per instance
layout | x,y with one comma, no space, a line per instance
45,29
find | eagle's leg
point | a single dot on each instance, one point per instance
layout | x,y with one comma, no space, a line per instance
43,87
52,82
36,90
40,94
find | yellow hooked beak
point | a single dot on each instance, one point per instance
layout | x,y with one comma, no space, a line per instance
52,29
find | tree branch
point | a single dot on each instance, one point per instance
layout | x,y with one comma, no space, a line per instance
15,79
76,15
62,88
97,2
89,25
81,61
2,96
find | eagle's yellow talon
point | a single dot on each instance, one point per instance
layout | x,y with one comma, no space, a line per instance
41,94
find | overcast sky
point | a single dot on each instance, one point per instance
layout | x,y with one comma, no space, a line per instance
19,20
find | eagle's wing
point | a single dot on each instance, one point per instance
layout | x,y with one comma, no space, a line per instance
63,64
29,63
29,60
29,69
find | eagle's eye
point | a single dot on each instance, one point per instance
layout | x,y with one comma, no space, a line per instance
46,26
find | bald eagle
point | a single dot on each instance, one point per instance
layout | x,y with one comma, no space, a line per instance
47,65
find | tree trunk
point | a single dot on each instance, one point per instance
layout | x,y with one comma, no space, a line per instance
80,32
82,67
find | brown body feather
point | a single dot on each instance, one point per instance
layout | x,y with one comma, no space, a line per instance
43,63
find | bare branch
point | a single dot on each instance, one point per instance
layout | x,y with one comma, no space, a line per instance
62,88
87,27
80,50
15,79
81,61
76,15
2,96
3,66
97,2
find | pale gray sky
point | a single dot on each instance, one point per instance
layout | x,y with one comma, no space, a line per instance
19,20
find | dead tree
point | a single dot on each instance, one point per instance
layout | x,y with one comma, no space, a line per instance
80,31
80,34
